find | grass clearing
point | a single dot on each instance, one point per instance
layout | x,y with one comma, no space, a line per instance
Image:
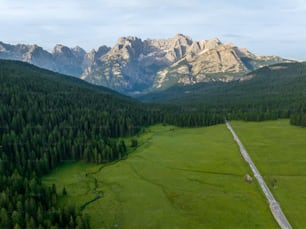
178,178
279,152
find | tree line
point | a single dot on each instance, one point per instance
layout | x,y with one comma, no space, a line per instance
47,119
270,93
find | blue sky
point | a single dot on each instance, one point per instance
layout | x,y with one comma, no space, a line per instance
265,27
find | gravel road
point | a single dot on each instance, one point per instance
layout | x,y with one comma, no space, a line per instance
274,205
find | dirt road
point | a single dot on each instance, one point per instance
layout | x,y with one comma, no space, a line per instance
274,206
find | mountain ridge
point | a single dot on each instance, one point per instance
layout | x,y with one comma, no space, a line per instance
134,66
272,86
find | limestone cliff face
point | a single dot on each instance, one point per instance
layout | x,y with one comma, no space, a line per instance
68,61
134,66
131,65
62,59
118,68
214,62
29,53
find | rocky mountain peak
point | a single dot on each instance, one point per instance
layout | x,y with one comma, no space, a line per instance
2,47
135,65
57,48
212,43
102,50
69,61
128,39
127,47
36,48
33,50
62,50
181,39
127,42
78,51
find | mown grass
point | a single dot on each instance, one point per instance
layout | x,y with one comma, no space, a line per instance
279,152
178,178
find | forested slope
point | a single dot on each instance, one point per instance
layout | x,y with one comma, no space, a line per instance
271,92
46,119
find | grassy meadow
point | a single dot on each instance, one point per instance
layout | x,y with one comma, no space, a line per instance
279,152
177,178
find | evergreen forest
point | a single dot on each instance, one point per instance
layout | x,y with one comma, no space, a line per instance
47,119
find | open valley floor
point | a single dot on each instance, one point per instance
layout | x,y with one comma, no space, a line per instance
177,178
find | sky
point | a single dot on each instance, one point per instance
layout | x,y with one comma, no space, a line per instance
264,27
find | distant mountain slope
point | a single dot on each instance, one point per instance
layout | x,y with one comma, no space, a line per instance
136,66
214,62
280,85
62,59
59,83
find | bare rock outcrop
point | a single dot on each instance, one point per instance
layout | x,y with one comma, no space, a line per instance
134,65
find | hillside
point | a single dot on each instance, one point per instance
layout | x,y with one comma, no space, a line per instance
279,87
45,102
47,119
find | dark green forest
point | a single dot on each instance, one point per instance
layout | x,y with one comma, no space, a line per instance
278,91
47,119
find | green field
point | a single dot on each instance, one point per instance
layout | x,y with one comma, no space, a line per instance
279,152
178,178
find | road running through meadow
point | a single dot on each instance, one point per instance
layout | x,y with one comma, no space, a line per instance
274,205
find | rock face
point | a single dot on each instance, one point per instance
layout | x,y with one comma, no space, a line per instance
62,59
69,61
29,53
133,65
212,61
136,66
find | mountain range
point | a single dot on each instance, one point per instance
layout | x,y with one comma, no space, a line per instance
136,66
271,86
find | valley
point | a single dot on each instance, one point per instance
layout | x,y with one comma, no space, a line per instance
193,178
54,126
68,153
152,114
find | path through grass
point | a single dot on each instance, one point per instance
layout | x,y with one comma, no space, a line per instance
279,152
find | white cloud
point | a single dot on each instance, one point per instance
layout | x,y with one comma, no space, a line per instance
96,22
